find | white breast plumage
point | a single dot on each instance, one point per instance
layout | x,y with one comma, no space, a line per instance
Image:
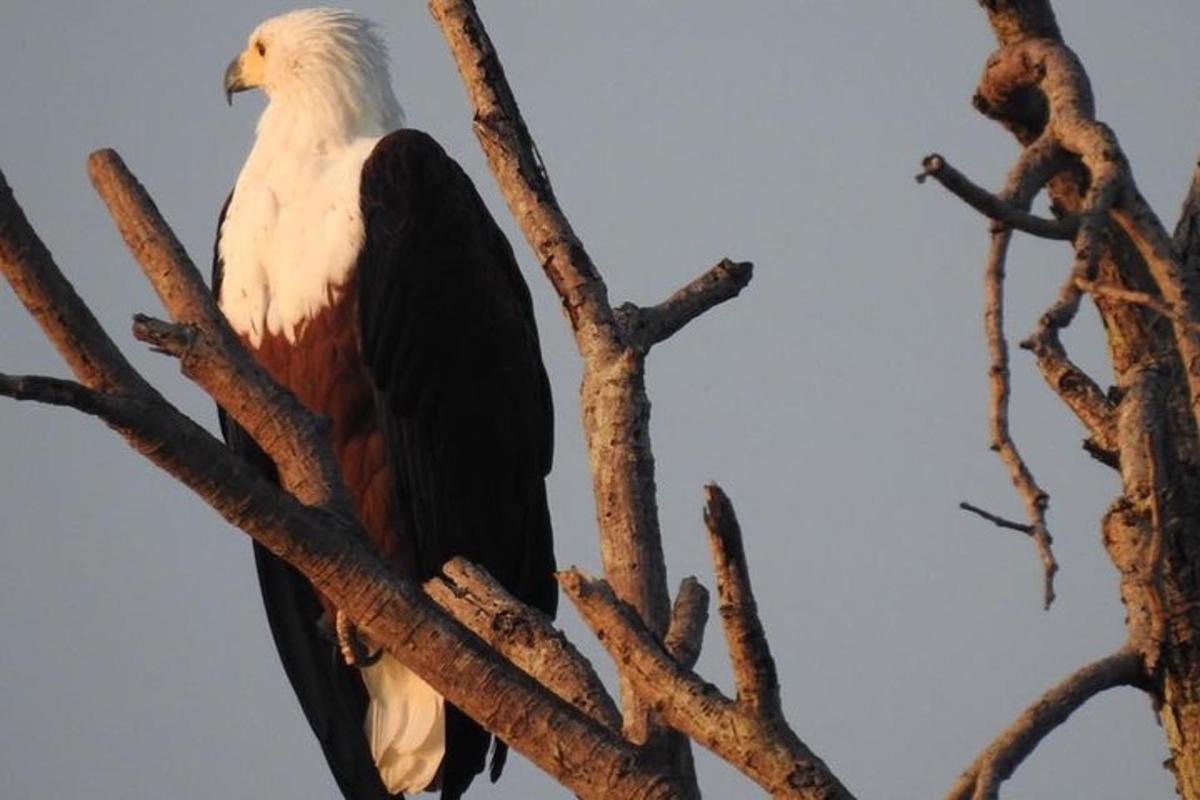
291,235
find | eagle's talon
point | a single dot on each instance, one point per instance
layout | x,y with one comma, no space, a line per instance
353,648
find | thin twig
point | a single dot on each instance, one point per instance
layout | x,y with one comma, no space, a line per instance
1137,298
999,522
51,300
992,206
53,391
1032,496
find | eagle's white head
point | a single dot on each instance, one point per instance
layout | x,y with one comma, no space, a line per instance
323,68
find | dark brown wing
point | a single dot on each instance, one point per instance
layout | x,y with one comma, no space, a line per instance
448,335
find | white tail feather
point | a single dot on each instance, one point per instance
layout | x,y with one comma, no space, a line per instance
405,725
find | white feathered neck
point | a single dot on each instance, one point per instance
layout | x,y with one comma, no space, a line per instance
293,228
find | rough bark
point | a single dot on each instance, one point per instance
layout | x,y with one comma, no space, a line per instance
1146,293
614,404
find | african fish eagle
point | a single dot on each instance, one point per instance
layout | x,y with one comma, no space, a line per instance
361,268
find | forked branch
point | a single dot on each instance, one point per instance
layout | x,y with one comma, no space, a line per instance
749,731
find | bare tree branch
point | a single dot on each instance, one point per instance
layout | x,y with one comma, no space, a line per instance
524,636
999,522
689,615
646,327
753,666
54,392
990,205
1032,496
981,781
764,747
295,440
1078,390
1037,88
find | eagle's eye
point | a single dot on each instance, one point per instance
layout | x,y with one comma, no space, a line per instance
261,48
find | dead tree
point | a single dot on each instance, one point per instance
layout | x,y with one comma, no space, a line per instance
505,664
1144,283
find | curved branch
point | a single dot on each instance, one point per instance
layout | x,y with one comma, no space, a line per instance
1000,759
615,407
689,615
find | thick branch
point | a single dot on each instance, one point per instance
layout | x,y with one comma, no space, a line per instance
52,302
994,765
522,177
210,352
1144,299
999,522
524,636
645,327
763,748
614,403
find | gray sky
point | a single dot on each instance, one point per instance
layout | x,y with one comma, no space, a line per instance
840,400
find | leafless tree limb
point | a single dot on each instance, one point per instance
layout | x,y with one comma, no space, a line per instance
1036,87
52,302
54,392
1137,298
993,206
1032,496
763,746
212,356
524,636
645,327
689,615
615,407
1078,390
981,781
753,666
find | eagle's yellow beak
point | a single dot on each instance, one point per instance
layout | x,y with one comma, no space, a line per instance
245,72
